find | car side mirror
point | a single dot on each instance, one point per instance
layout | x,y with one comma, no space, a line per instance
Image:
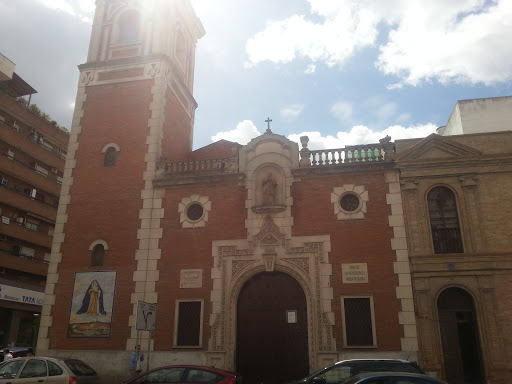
319,380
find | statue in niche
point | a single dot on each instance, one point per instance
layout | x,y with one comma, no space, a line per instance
269,189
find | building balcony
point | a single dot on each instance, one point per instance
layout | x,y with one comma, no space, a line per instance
39,150
25,234
23,263
25,203
24,171
27,118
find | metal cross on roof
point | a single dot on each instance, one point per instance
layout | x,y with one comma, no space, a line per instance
268,125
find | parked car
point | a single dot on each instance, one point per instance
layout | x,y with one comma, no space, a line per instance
392,378
186,374
37,369
345,369
19,351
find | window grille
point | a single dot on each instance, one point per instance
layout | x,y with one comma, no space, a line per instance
444,221
188,328
359,329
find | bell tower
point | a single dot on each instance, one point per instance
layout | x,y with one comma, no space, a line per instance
134,105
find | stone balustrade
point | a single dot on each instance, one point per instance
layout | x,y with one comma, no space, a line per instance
367,153
211,166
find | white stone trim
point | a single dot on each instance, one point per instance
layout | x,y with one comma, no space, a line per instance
151,214
306,259
360,191
114,145
186,203
404,292
96,242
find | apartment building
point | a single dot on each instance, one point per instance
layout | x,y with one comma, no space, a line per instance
32,156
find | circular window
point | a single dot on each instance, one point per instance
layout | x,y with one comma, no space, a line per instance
349,202
195,212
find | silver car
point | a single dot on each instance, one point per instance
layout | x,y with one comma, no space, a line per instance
35,369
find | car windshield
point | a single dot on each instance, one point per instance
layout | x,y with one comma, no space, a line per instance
79,368
9,369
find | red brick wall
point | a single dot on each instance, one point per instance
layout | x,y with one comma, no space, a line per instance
177,140
105,204
354,241
192,249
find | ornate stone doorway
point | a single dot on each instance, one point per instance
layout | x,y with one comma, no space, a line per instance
272,332
459,336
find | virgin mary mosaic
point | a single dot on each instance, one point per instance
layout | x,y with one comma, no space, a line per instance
92,303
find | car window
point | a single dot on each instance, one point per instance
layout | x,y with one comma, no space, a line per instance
200,376
384,366
54,369
9,369
164,375
34,368
79,368
337,374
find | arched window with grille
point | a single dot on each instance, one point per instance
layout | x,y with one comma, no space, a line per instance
444,221
110,157
129,26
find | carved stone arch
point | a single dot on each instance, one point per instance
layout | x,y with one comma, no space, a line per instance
110,145
456,192
309,294
461,333
96,242
235,262
110,150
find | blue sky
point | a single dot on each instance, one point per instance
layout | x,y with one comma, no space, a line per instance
342,72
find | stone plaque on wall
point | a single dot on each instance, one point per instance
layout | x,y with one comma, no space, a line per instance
191,278
354,273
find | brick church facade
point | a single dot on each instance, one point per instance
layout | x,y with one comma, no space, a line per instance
268,259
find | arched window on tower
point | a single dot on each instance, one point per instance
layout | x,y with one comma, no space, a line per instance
444,221
98,255
110,157
129,27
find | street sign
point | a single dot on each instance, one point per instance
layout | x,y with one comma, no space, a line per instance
146,316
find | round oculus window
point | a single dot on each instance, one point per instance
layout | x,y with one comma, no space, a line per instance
195,212
349,202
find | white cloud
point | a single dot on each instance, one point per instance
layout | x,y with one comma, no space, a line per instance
456,41
291,112
310,69
342,110
361,134
242,134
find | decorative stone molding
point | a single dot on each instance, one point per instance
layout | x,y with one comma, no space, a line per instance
356,197
197,219
101,242
236,261
113,145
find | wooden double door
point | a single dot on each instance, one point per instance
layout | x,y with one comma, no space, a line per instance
272,331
